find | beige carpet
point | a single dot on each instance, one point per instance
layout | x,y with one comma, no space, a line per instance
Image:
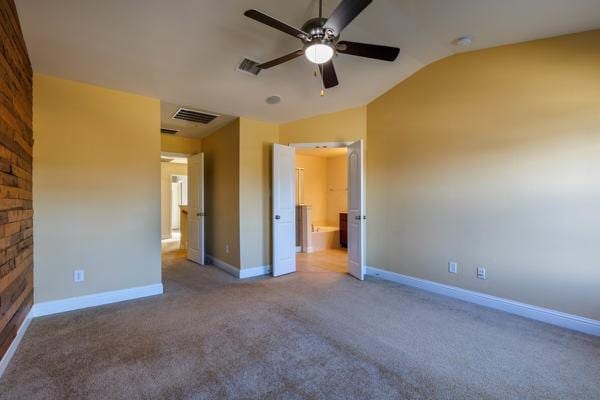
316,334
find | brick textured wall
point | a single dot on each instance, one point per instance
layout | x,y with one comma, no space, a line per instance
16,141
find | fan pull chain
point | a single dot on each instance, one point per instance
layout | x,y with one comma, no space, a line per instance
316,75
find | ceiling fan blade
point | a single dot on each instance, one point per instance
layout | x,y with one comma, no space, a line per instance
328,74
275,23
345,12
375,51
281,60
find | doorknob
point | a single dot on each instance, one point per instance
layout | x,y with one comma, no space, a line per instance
357,217
277,217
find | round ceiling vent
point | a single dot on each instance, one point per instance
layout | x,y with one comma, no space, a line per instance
464,41
273,100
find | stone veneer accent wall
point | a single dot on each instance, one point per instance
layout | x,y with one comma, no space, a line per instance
16,141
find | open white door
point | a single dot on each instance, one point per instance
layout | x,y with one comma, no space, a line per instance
196,208
356,215
284,210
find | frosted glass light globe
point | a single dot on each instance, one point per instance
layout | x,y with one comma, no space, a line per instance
318,53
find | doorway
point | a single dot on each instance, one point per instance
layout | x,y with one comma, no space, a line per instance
318,204
321,209
174,188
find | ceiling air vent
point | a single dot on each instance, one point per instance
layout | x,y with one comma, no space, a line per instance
248,66
194,116
168,131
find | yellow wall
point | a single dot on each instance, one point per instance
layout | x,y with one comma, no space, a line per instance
221,174
256,142
97,204
492,158
341,126
337,189
178,144
315,186
166,170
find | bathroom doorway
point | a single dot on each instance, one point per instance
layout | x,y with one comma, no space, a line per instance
318,208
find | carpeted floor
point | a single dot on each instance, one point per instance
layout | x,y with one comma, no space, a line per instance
316,334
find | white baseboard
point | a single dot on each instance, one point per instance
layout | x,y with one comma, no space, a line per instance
255,271
569,321
97,299
235,271
298,249
15,343
230,269
165,236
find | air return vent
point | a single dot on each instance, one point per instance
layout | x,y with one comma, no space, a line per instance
194,116
249,67
168,131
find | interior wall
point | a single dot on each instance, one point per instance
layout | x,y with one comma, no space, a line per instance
491,158
97,203
337,189
341,126
180,144
166,170
256,143
315,186
221,179
16,140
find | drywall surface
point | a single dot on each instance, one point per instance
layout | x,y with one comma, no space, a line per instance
492,158
97,208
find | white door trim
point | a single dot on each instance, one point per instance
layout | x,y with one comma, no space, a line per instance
321,145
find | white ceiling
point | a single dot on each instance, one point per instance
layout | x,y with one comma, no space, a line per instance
174,158
186,51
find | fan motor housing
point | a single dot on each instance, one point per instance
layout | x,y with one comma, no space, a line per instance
314,27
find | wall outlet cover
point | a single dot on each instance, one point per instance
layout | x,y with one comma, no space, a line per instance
481,273
78,275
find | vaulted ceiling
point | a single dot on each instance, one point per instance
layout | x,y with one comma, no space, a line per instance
185,52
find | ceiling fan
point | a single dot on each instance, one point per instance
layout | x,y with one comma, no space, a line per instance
320,37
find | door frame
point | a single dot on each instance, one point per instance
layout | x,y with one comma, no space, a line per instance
170,197
341,144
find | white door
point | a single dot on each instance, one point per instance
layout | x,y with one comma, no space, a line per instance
284,210
356,215
196,208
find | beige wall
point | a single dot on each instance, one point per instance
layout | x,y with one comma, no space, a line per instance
256,142
221,174
492,158
315,185
178,144
337,188
166,171
97,207
346,125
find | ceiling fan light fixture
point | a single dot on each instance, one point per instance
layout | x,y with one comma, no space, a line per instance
318,53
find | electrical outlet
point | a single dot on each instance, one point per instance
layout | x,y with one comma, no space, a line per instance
227,248
78,275
481,272
453,267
